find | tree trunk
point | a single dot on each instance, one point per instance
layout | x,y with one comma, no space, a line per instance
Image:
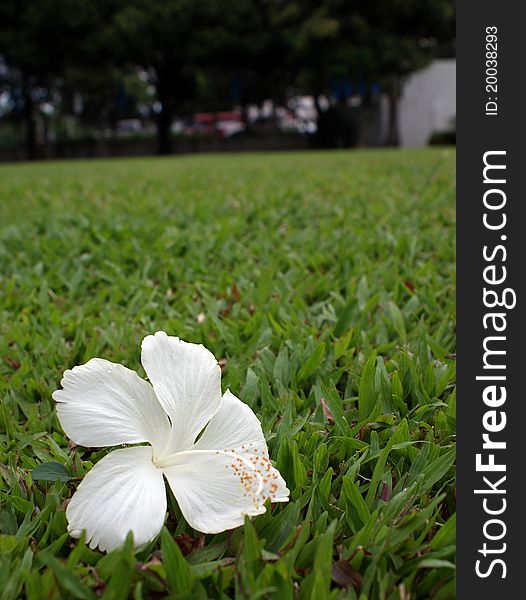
164,131
29,122
165,117
393,133
317,104
244,116
45,128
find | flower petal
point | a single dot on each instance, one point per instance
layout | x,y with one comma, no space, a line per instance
233,425
214,490
236,428
123,492
105,404
187,381
227,474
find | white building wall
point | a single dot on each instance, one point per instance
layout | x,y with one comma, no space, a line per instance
428,102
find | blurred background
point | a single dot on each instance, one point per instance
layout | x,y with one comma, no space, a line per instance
85,78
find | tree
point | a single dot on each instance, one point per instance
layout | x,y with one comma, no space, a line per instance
405,35
371,42
256,49
163,37
209,53
38,40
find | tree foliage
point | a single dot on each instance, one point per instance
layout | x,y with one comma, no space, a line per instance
210,54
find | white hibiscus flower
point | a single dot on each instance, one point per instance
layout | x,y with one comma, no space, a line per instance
217,480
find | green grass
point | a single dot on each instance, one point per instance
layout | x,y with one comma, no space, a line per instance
326,282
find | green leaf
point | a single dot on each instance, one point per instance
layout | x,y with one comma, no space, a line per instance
252,547
282,367
446,535
312,362
434,563
342,343
378,471
414,521
354,500
122,572
20,504
50,471
398,320
67,580
367,393
178,571
322,566
362,292
435,470
332,398
344,319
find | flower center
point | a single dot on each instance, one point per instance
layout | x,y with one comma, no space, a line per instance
168,460
243,469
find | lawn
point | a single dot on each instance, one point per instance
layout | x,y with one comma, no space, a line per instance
325,285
